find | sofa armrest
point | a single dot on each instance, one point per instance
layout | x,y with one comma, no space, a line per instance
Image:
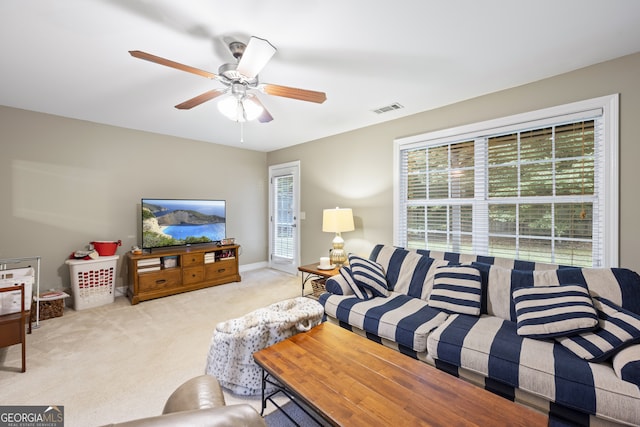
201,392
232,415
338,285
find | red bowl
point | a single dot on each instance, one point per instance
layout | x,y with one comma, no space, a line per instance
106,248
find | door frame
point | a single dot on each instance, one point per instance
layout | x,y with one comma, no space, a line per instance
273,169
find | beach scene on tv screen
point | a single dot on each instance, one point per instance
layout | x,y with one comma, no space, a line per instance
182,222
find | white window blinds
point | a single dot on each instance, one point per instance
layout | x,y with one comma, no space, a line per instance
283,244
532,190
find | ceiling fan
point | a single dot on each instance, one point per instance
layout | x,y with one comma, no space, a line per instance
239,80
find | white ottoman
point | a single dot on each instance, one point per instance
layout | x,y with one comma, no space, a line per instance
233,343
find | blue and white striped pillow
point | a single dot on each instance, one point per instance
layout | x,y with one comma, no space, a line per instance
369,275
618,328
554,311
360,293
337,285
626,364
457,289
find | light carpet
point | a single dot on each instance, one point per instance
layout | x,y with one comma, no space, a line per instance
120,361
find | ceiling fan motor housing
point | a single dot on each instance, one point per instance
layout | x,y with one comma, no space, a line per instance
239,90
237,49
231,75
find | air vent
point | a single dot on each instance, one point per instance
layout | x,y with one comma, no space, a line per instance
387,108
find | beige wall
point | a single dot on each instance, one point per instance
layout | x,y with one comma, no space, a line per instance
65,182
354,169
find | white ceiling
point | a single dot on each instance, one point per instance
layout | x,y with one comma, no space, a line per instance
70,57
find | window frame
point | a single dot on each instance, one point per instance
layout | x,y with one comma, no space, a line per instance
609,105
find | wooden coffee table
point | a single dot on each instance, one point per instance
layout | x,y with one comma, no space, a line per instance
352,381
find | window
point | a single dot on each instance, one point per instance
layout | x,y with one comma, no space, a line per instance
539,186
283,245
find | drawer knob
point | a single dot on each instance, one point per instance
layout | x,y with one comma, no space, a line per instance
221,270
161,281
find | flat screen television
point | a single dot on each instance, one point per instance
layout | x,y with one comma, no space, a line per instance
182,222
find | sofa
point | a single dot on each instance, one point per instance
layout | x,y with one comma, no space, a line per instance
562,340
199,402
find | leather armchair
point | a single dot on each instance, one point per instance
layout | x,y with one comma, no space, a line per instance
200,402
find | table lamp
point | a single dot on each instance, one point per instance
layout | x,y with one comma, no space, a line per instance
336,221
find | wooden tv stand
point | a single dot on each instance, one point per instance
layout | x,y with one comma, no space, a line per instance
166,272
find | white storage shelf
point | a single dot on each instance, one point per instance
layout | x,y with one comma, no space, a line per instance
9,266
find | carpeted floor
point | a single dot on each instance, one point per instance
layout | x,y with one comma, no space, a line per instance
119,362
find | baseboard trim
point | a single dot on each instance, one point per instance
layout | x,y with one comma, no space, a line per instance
253,266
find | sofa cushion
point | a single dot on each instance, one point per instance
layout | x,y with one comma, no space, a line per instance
626,364
407,272
368,274
499,284
620,286
360,292
553,311
617,328
490,347
399,318
457,289
508,263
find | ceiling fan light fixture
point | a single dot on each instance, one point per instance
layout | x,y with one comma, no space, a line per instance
239,110
252,109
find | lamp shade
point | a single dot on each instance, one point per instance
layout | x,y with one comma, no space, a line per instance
337,220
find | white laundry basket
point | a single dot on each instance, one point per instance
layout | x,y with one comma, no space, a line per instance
93,281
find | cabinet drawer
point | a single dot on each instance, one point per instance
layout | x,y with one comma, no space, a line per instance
220,269
192,275
159,280
189,260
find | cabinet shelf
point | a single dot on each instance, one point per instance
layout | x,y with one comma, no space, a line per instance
180,270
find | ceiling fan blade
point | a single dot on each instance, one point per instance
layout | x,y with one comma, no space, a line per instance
256,55
265,116
295,93
202,98
169,63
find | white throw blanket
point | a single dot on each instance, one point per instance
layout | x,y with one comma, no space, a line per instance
233,343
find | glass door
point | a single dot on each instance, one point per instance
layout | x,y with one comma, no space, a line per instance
284,211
